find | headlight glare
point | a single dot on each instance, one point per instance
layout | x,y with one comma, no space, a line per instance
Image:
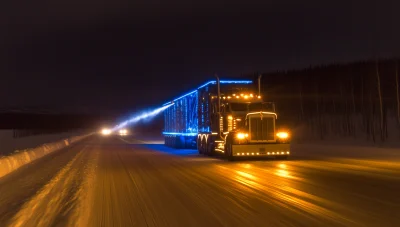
123,131
242,135
106,131
282,135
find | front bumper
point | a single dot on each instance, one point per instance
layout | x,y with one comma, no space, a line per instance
261,150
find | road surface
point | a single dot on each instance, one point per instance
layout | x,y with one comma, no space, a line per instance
107,181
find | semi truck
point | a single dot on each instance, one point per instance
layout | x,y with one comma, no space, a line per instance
228,117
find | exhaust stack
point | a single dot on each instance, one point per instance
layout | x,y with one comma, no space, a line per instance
219,104
219,94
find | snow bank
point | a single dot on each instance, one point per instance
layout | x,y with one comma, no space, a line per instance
331,150
332,131
9,143
12,162
310,141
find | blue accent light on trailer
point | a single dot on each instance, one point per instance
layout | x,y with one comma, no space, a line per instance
182,116
190,113
227,82
212,82
179,134
180,97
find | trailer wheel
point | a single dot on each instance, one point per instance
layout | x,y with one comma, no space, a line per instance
204,147
210,149
199,146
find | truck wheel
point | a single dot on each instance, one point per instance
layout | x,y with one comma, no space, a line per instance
210,149
199,146
228,152
203,147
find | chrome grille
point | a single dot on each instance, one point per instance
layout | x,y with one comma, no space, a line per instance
262,128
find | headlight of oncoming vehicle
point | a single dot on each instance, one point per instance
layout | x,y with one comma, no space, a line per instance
106,131
123,131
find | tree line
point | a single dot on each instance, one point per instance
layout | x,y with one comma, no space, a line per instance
32,123
360,99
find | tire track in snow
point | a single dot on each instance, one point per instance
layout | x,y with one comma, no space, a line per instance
83,212
53,202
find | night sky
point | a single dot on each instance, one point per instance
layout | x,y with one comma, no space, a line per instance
109,56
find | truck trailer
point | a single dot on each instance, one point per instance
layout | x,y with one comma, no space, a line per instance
227,117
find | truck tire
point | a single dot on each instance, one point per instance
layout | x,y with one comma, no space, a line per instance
204,147
228,152
199,146
168,141
180,142
210,149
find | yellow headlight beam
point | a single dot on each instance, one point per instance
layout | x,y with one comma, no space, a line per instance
106,131
242,135
282,135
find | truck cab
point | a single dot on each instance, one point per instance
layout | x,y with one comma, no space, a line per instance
247,127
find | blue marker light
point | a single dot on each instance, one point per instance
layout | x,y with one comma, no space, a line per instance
213,82
180,134
187,116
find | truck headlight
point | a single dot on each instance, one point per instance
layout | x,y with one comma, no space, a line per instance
242,135
282,135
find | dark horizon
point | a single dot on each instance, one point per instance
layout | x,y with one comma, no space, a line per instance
127,111
123,57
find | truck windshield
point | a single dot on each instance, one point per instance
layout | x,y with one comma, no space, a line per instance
251,106
238,106
261,107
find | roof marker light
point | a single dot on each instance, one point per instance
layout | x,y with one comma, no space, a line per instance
213,82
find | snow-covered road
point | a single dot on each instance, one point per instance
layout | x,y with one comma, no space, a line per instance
114,182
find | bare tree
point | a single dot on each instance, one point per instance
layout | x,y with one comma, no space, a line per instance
317,102
301,102
333,117
342,113
345,112
381,126
363,113
353,114
371,119
397,93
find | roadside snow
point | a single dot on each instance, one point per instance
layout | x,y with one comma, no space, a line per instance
9,144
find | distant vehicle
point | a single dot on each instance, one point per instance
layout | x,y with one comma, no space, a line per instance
121,132
106,131
225,117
